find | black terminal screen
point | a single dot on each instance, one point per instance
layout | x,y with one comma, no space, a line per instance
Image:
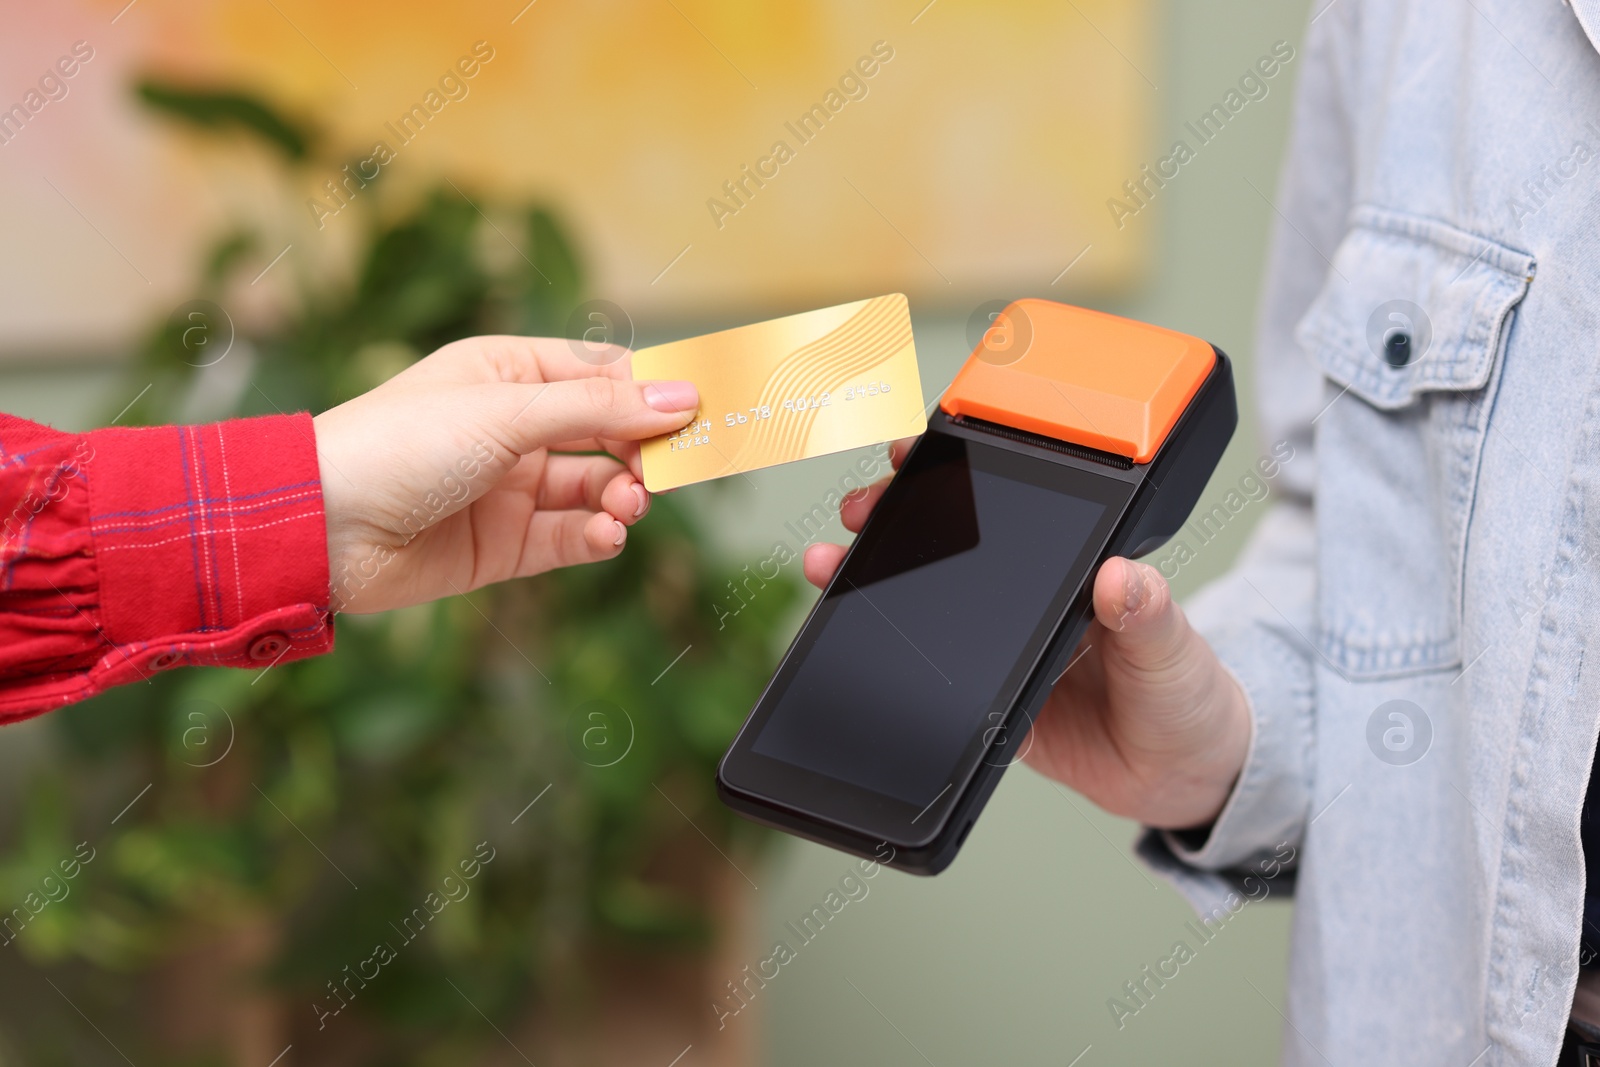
939,614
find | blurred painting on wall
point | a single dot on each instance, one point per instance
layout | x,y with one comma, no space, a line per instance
706,155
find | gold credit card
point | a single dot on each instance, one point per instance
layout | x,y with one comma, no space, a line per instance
786,389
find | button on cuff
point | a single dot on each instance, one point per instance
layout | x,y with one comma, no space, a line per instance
268,647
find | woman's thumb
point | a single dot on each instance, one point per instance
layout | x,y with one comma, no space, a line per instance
537,415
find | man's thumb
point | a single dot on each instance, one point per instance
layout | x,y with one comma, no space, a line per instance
1133,601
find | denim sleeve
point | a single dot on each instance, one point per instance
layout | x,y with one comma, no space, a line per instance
1260,617
1269,804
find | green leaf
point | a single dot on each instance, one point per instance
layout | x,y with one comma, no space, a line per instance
228,253
223,109
651,913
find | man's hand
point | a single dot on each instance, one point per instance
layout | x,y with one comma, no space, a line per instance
451,475
1146,723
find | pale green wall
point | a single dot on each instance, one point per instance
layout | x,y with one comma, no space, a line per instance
1009,957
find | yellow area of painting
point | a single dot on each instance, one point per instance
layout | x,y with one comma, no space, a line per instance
975,161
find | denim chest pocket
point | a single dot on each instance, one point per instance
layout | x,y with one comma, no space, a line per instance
1408,330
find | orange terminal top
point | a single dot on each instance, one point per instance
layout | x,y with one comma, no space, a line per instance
1081,376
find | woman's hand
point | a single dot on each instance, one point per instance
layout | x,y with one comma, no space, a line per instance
453,474
1146,722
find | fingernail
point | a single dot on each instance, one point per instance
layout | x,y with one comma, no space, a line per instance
642,497
672,396
622,535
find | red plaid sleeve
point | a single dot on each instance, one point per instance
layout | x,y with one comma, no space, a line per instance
124,552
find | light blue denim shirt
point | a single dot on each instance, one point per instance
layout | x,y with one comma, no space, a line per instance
1411,619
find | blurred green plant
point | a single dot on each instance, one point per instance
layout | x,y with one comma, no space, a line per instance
273,796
